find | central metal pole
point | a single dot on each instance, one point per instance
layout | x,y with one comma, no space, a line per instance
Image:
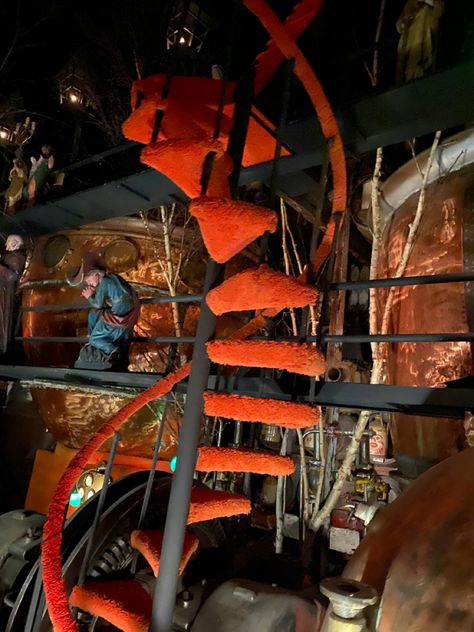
176,519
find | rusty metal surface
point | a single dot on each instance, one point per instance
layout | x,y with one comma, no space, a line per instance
73,416
419,552
429,309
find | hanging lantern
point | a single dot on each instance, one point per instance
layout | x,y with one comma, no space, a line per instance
188,27
72,86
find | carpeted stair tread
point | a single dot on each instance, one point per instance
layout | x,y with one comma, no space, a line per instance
215,459
228,226
124,603
301,358
267,411
260,288
182,162
149,543
207,504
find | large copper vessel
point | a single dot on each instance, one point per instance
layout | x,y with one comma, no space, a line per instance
419,553
444,243
134,249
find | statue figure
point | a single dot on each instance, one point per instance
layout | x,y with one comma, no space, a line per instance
111,322
418,27
14,194
39,173
11,268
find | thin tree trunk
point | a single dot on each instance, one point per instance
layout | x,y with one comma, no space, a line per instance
376,242
377,369
170,271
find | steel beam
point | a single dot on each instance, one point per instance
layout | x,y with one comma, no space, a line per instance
378,120
432,402
433,279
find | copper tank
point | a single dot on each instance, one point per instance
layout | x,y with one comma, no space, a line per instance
134,249
444,244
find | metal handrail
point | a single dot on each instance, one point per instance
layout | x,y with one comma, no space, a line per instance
432,279
347,338
157,300
85,339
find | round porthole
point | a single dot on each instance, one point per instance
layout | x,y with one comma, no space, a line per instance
56,251
121,255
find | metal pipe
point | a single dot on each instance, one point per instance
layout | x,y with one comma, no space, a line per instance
178,506
85,339
158,300
151,477
334,431
364,452
99,508
452,277
451,337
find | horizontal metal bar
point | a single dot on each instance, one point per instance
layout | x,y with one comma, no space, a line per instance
156,300
67,307
179,298
463,337
85,339
396,338
452,277
431,402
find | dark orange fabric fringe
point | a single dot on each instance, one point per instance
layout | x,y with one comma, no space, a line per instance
260,288
182,162
306,75
303,359
228,226
207,504
54,587
267,411
269,60
124,603
213,459
150,542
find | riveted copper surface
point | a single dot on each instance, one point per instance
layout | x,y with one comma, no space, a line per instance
73,416
439,248
121,255
419,552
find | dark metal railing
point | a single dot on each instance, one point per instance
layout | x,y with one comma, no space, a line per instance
450,277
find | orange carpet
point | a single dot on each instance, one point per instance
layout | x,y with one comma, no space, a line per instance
207,504
213,459
228,226
303,359
150,542
125,604
267,411
182,162
259,289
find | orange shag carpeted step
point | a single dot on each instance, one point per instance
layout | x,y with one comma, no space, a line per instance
259,288
207,504
267,411
150,542
182,162
176,122
228,225
213,459
303,358
123,603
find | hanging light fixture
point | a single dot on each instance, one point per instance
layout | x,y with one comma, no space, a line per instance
72,86
188,27
18,135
